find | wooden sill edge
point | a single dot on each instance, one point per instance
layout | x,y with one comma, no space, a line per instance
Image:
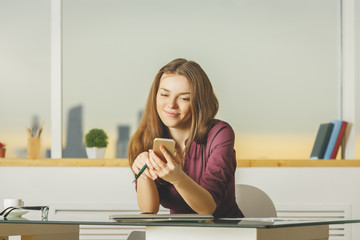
81,162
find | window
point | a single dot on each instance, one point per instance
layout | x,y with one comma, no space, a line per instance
24,74
274,66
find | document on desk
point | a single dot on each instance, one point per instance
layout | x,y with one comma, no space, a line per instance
271,219
160,217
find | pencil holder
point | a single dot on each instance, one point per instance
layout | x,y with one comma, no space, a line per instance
33,150
2,152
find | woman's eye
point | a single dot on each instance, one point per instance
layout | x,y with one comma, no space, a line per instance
163,94
186,99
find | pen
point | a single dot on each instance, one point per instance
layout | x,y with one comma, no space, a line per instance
141,171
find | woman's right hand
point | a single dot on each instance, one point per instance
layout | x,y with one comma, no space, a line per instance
140,161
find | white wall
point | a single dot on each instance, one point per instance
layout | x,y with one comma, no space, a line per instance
44,185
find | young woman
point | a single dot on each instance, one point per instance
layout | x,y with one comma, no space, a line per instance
199,176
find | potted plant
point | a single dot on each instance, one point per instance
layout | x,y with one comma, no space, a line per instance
96,142
2,150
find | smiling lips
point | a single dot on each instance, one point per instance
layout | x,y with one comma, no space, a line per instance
171,114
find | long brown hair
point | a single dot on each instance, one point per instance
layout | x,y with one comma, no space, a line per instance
204,106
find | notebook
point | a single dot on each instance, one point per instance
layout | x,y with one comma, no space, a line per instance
160,217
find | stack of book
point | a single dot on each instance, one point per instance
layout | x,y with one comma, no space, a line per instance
328,140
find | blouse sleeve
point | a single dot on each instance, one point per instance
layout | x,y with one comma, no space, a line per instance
221,163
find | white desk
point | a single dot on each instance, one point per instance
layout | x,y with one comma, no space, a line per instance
244,230
320,232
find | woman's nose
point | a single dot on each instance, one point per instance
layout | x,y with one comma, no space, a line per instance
172,103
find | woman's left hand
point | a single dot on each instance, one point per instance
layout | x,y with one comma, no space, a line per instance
171,171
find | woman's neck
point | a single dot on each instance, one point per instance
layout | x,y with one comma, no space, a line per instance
180,136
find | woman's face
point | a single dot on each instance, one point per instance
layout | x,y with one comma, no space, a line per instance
173,101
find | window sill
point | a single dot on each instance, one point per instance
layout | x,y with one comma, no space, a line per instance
84,162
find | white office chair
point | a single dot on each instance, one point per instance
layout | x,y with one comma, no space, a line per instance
254,202
136,235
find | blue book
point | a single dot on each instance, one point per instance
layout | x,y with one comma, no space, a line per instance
334,135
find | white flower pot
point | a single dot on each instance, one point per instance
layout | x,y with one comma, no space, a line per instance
95,152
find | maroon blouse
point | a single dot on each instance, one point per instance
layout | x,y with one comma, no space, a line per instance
212,165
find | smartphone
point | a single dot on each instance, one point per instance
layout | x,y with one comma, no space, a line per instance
168,143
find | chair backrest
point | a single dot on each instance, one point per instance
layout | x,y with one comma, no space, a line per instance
137,235
253,202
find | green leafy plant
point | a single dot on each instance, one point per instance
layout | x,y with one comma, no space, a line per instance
96,138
